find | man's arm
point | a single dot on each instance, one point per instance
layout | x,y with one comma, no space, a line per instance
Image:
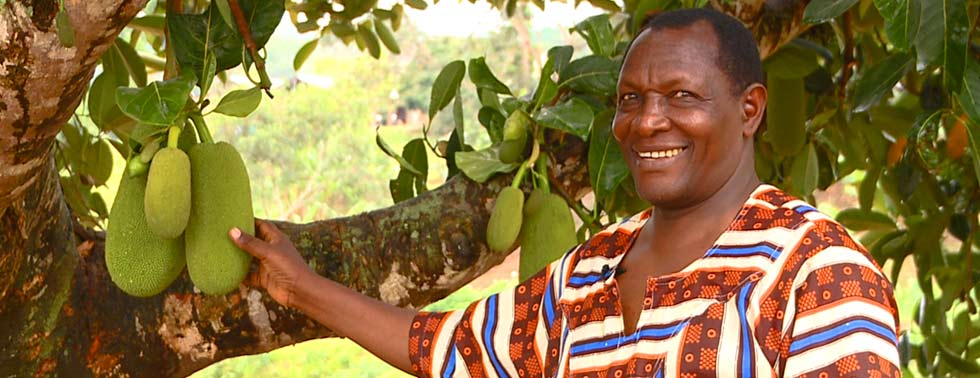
380,328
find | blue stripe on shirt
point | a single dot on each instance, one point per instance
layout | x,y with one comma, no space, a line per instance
488,332
852,326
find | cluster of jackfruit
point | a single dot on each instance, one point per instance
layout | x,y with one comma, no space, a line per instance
177,213
543,225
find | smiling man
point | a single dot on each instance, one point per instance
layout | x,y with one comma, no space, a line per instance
724,276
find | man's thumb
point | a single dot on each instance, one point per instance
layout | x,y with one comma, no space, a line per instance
247,243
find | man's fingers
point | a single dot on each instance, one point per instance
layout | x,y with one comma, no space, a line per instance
267,231
248,243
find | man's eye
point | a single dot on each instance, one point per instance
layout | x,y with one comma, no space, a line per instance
628,97
682,94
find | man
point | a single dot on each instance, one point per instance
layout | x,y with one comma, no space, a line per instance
724,276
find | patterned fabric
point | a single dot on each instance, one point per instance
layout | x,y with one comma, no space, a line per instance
783,292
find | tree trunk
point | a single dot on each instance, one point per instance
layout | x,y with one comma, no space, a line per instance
61,315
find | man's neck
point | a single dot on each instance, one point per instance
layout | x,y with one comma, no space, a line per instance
704,221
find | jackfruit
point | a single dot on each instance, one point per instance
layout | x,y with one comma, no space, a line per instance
786,115
505,220
547,232
168,193
515,136
221,198
140,263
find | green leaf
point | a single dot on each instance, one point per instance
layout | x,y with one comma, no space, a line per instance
100,96
387,37
860,220
574,117
196,35
405,164
560,56
409,184
592,74
481,76
417,4
207,76
131,61
458,116
606,5
866,193
819,11
240,103
932,28
607,167
445,87
143,132
225,10
368,39
956,32
480,165
151,24
806,171
791,61
879,80
158,103
547,88
970,102
598,33
304,53
901,20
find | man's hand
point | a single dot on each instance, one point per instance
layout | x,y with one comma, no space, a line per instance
280,265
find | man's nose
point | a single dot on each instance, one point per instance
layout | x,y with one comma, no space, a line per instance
653,115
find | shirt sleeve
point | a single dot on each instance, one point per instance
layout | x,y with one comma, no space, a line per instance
845,322
506,334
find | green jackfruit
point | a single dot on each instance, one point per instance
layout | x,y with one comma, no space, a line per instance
221,199
786,115
140,263
515,136
547,232
168,193
505,220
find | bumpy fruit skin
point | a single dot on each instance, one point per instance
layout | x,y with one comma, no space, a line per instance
139,262
547,232
505,220
786,115
168,193
515,136
221,199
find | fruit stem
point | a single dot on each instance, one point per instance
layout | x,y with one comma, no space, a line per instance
524,166
202,128
172,136
541,168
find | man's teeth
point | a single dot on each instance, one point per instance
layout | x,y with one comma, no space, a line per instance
661,154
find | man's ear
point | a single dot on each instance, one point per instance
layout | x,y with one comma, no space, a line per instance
754,100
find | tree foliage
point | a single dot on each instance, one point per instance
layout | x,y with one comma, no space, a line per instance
886,92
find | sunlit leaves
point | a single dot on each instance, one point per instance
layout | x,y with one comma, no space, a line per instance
573,117
481,165
879,80
818,11
196,35
160,102
240,103
598,33
901,20
594,73
483,78
607,167
446,86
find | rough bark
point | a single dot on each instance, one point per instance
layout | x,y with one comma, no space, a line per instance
60,314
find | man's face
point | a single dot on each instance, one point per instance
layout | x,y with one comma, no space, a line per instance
677,121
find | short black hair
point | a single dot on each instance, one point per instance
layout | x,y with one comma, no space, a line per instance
738,54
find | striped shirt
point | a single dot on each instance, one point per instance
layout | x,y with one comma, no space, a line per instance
783,292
